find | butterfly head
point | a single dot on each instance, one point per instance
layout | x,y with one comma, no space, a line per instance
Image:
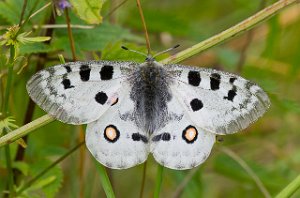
149,58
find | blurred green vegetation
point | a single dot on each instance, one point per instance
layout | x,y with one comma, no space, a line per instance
268,55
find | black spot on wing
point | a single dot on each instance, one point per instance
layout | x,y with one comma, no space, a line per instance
231,80
84,72
106,72
194,78
68,68
139,137
166,136
67,83
101,97
231,94
196,104
215,80
163,136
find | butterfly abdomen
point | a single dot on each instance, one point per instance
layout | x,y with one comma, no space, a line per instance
150,93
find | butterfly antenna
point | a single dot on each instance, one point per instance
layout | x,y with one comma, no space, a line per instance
165,51
137,52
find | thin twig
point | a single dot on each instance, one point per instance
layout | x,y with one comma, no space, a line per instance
247,168
114,9
57,26
144,26
249,37
36,12
70,35
183,184
23,12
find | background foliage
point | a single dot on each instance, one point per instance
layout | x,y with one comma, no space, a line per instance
268,55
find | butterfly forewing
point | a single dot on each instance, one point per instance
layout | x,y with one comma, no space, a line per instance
216,101
78,92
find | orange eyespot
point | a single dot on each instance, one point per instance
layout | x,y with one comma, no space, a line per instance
190,134
111,133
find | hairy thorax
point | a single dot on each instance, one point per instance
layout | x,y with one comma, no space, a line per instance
150,93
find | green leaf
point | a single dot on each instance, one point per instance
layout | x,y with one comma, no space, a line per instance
10,11
35,48
42,183
50,182
88,10
36,39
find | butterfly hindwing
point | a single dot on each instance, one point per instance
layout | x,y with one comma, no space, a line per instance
79,92
180,144
217,101
114,139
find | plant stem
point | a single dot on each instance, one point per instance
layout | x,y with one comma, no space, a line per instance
241,27
24,130
143,179
23,12
28,184
105,180
70,35
144,26
290,189
180,188
247,168
5,113
160,170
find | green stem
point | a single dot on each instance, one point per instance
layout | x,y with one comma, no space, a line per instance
38,176
143,179
5,113
290,189
159,178
241,27
9,80
24,130
9,168
107,187
204,45
70,35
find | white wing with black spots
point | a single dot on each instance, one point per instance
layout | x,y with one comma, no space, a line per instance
79,92
219,102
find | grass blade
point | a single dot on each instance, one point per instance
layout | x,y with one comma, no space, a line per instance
290,189
107,187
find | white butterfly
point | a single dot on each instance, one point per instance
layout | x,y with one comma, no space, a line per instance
171,111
